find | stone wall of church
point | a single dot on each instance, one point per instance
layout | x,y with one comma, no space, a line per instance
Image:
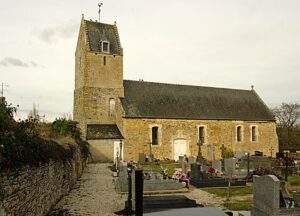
137,133
102,150
98,78
91,105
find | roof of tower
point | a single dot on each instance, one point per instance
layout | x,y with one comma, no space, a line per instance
97,32
161,100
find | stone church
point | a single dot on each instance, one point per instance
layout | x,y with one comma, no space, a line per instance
136,119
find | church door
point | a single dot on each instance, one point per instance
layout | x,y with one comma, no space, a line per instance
180,148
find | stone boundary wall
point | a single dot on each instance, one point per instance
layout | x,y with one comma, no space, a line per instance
34,190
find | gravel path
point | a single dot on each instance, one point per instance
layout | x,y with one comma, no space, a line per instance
204,198
93,195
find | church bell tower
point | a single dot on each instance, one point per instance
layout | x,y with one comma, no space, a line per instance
98,75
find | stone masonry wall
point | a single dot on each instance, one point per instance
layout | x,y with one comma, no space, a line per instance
137,133
96,82
34,190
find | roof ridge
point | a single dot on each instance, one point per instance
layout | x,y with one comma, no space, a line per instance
87,40
178,84
261,100
98,22
118,37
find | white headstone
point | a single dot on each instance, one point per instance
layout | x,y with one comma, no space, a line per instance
217,165
229,165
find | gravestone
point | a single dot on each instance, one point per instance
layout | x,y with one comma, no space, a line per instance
133,194
122,180
138,192
229,165
196,173
296,197
181,159
217,165
265,195
204,168
210,152
192,160
184,166
142,157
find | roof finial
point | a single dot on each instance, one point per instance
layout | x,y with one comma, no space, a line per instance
99,11
252,87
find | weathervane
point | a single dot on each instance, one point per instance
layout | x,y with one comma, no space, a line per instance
99,11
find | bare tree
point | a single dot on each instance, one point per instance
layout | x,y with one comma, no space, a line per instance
287,116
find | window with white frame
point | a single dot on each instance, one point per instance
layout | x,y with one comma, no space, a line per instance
105,46
112,107
239,135
253,133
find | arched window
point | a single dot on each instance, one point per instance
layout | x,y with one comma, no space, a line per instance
239,133
253,133
201,134
154,135
112,107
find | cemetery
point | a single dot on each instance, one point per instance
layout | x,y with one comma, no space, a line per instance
240,183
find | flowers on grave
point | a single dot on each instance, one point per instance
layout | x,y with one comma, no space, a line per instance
211,170
182,177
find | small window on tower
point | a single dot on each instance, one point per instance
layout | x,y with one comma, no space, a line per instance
112,107
105,46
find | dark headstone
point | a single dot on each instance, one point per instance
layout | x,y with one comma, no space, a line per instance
139,192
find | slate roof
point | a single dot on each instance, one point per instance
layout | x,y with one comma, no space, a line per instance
103,131
161,100
97,32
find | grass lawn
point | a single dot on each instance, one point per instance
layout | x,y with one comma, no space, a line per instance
234,191
238,206
294,180
158,168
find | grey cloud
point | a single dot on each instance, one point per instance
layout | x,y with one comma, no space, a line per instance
33,64
11,61
51,34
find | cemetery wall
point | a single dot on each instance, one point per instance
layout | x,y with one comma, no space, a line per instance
137,133
32,191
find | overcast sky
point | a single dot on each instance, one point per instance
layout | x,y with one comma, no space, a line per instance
232,43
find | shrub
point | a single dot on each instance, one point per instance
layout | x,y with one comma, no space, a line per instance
64,127
226,152
21,142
